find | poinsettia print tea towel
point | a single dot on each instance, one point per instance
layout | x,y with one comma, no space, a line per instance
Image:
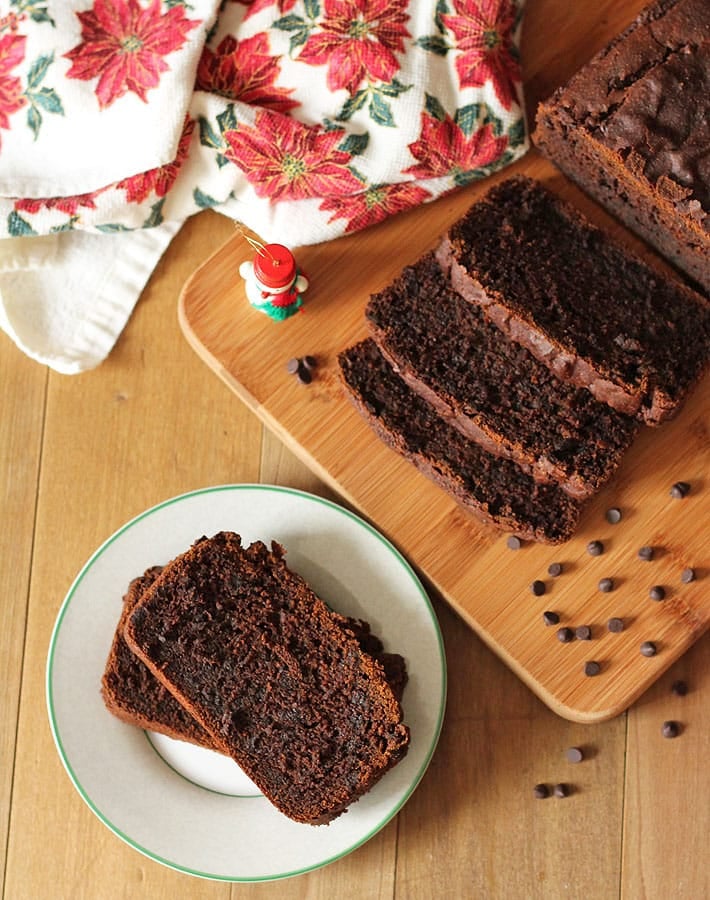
303,119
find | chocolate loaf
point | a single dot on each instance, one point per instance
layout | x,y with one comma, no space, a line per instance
133,694
596,315
496,490
260,661
632,128
492,390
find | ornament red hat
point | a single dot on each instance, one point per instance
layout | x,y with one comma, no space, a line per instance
275,266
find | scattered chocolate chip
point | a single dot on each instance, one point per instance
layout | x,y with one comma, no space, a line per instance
304,375
645,553
310,362
550,618
687,575
680,490
592,668
574,754
554,569
615,625
292,366
670,729
595,548
561,790
657,592
613,515
514,543
565,635
679,688
648,648
541,791
538,587
606,585
583,633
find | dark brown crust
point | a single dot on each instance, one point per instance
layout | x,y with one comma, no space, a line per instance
215,574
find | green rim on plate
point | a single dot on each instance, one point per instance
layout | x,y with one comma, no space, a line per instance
96,556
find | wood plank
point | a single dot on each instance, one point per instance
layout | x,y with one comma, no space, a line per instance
24,386
667,811
150,423
473,827
249,352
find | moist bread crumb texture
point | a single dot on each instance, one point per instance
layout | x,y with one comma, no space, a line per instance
278,681
515,364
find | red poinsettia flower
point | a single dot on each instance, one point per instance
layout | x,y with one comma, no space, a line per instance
12,52
358,41
123,45
245,71
158,181
256,6
483,31
443,149
374,204
68,205
286,160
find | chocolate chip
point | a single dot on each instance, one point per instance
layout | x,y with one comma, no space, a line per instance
583,633
680,490
292,365
565,635
304,375
595,548
538,587
592,668
687,575
679,688
554,569
606,585
648,648
670,729
561,790
550,618
514,543
657,592
615,625
574,754
646,554
541,791
613,515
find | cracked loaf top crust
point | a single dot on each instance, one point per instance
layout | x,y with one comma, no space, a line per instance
637,117
590,310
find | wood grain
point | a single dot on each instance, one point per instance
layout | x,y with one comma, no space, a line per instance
22,413
81,455
470,563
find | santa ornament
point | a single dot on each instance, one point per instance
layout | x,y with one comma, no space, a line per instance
273,282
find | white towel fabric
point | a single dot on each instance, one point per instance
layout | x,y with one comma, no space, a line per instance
303,119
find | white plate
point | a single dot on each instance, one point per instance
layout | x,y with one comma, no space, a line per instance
186,821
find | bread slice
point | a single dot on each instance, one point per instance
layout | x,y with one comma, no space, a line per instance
493,390
133,694
260,661
595,314
495,490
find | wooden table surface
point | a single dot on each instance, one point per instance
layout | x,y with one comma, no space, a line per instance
81,455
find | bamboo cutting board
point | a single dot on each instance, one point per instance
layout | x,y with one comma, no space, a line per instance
470,564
